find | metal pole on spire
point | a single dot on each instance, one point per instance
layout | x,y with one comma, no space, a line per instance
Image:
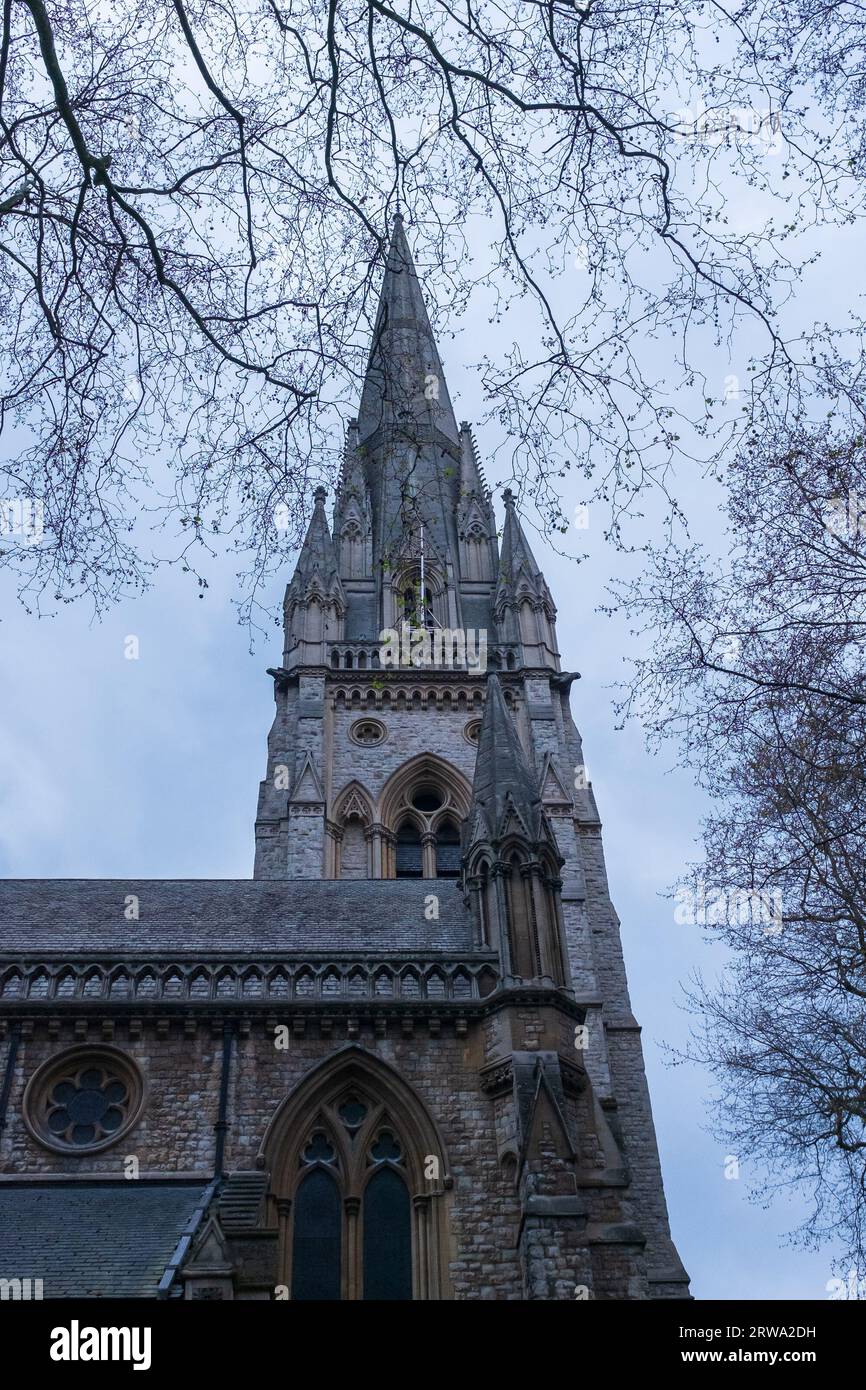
423,589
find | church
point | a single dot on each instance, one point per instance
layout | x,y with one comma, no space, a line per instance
400,1061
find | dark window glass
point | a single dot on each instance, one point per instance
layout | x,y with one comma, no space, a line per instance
316,1243
427,799
386,1147
409,863
88,1108
319,1150
387,1238
447,851
353,1113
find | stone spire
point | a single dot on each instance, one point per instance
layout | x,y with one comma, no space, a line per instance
522,605
476,520
410,446
315,602
505,793
517,563
317,562
405,383
472,480
352,518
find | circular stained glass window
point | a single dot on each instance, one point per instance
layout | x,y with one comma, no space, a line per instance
83,1100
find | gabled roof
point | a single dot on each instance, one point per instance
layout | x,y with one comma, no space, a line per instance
55,918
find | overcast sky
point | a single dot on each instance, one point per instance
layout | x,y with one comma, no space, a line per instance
150,768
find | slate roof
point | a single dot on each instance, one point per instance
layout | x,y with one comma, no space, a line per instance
58,917
93,1239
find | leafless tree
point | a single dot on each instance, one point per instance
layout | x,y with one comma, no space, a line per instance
195,198
758,675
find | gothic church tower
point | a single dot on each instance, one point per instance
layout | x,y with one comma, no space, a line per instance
462,778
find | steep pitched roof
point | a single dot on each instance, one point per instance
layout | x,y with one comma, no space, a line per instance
94,1239
56,918
404,373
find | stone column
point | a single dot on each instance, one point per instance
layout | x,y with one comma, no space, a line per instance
428,854
421,1247
352,1206
284,1208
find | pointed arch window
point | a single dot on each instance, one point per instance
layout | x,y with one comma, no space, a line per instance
484,902
387,1237
352,550
414,612
353,1231
422,806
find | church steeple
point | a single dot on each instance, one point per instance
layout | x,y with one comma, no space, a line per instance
450,910
352,519
505,793
410,445
479,554
405,382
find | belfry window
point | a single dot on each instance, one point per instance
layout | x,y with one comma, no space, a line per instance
422,808
447,850
414,613
409,851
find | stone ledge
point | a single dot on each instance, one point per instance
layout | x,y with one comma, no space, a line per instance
614,1233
